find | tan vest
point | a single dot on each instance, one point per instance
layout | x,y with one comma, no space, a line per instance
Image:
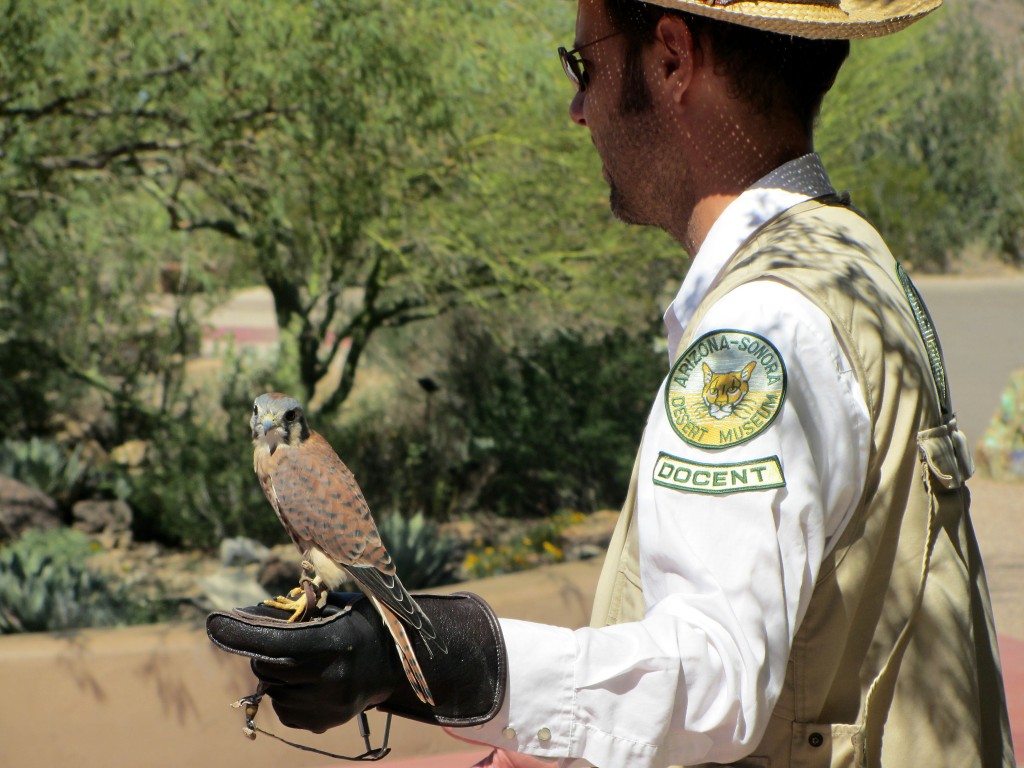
895,663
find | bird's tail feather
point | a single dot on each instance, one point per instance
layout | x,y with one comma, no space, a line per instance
410,663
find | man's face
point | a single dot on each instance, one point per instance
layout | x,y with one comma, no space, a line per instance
617,108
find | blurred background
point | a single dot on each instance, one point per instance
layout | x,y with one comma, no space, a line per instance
383,209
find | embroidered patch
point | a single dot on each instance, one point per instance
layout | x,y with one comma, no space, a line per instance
727,387
694,477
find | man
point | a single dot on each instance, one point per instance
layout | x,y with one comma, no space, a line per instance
794,579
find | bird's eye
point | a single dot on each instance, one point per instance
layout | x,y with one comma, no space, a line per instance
255,410
289,415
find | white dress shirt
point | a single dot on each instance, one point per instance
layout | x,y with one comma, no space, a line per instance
726,578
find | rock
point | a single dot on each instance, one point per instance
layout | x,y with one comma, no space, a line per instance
131,454
589,537
465,532
242,551
586,552
109,520
23,507
278,576
231,588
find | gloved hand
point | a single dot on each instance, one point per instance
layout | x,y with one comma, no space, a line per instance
322,673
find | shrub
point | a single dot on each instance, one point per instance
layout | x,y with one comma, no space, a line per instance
197,485
920,129
551,424
541,544
193,490
43,465
559,423
46,585
422,554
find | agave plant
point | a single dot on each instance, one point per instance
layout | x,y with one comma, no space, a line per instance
45,585
422,555
42,464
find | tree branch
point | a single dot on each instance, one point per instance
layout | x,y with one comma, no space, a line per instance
94,379
163,116
224,226
99,160
58,104
52,107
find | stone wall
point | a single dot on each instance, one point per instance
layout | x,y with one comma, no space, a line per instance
159,696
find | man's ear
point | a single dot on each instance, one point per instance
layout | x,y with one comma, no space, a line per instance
678,55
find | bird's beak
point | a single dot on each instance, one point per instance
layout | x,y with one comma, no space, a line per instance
271,433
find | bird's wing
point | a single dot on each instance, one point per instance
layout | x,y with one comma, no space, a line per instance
320,498
389,591
318,494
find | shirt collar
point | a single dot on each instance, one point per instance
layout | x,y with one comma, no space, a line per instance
794,182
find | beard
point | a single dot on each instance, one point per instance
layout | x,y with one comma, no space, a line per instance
635,96
635,107
621,209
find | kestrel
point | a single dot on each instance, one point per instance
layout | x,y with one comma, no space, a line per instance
319,503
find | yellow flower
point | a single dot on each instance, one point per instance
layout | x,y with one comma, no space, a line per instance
552,550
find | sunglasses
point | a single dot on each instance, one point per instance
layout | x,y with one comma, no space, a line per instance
573,63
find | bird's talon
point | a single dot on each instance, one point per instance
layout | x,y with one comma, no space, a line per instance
297,605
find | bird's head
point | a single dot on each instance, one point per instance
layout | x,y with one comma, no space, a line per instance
277,420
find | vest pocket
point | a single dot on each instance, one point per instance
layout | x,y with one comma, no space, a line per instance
825,745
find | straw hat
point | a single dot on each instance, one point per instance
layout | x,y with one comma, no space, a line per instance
812,18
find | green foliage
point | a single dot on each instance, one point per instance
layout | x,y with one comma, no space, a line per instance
524,431
368,174
43,465
540,545
918,128
79,247
46,585
559,421
376,164
421,553
197,485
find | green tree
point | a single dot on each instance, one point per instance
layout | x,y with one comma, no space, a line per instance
390,175
370,163
369,174
918,128
79,248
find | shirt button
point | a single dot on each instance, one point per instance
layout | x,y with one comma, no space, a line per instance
508,732
815,739
544,734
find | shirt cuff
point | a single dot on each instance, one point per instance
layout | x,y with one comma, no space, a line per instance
536,717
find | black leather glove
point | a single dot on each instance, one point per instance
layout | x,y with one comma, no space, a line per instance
322,673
